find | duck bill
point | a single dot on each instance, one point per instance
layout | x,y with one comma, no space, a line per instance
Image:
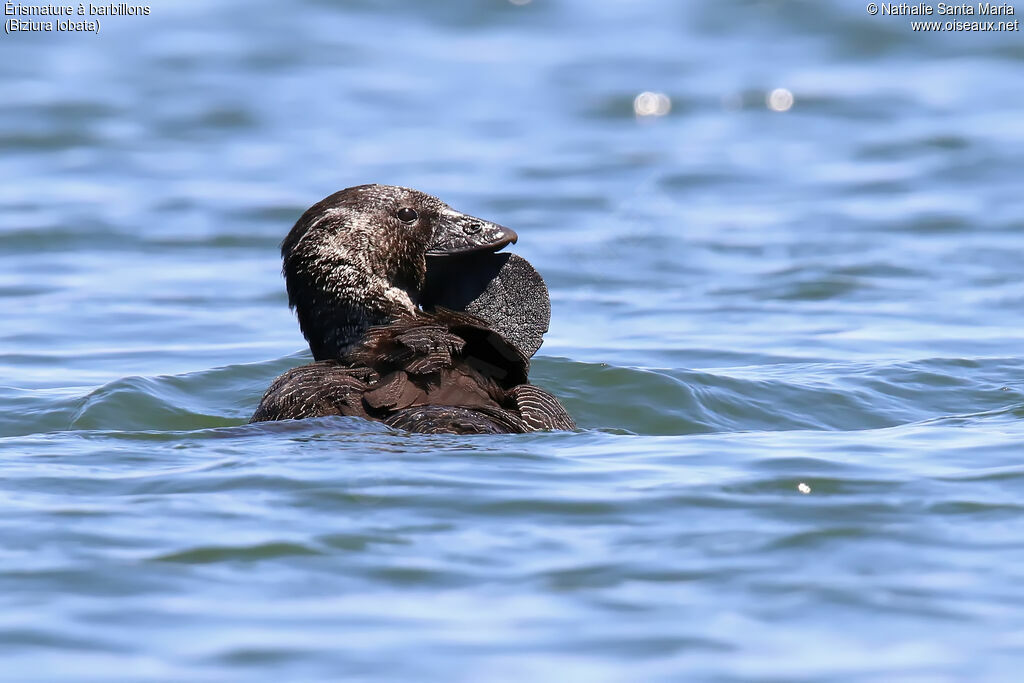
457,233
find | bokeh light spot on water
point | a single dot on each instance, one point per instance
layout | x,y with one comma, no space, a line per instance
780,99
652,104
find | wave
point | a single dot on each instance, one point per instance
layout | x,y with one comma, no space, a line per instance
637,400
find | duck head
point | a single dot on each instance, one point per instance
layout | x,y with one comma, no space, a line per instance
358,258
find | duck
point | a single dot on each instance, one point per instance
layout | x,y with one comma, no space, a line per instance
386,347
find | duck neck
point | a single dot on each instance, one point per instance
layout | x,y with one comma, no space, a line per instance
333,323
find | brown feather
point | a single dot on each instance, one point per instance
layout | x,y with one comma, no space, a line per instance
446,372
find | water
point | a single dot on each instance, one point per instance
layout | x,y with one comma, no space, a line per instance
747,304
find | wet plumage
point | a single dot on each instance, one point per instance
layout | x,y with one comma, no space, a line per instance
355,267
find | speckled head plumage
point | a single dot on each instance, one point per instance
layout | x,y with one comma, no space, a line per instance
358,258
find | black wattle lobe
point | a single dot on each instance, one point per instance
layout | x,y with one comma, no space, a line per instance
503,289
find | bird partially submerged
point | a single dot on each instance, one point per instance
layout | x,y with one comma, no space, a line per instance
377,319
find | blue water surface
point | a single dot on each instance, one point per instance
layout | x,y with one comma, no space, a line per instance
788,316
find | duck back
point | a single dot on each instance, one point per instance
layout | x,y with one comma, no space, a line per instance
445,372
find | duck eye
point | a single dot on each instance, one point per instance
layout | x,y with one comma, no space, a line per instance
407,215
